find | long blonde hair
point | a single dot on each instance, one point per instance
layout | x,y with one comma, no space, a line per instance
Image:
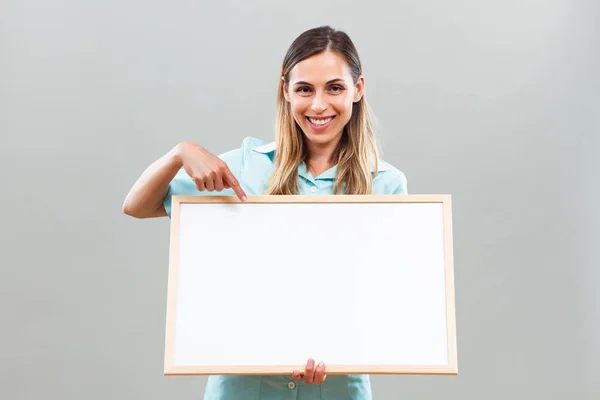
356,154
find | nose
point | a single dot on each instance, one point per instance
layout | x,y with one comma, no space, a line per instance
318,104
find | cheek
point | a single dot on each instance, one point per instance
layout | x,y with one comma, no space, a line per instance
343,105
299,107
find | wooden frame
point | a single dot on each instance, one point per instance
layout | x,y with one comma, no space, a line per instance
450,368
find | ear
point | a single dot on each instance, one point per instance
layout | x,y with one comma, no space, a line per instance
359,89
286,94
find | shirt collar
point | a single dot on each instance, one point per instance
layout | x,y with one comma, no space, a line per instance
302,170
266,148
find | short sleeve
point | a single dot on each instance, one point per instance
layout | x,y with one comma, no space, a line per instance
182,183
390,181
400,185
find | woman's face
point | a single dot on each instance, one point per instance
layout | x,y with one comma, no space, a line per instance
321,93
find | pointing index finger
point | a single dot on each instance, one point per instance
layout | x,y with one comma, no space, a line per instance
235,185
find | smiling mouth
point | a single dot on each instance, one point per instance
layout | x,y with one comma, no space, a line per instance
319,121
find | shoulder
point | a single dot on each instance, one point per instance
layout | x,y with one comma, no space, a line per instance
389,180
246,153
256,154
253,148
256,145
389,171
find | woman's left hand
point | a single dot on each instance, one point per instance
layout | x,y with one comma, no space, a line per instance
311,373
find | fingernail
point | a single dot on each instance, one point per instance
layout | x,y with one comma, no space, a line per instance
311,362
244,198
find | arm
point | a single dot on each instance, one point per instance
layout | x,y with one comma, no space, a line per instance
145,199
207,172
401,186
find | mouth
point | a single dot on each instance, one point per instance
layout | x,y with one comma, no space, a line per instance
320,123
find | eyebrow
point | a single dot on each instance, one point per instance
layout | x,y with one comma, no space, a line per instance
328,82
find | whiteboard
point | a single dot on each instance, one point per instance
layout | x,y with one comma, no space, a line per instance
364,283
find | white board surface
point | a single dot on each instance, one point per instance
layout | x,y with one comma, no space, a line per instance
363,283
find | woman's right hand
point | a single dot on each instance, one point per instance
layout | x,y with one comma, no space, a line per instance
145,198
208,171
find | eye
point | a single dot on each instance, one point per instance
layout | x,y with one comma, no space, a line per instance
303,90
336,88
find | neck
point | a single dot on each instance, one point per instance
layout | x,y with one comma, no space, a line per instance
320,156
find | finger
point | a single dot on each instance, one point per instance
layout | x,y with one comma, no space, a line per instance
309,372
320,373
210,186
218,183
199,184
296,375
235,185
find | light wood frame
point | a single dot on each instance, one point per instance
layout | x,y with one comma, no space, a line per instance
444,199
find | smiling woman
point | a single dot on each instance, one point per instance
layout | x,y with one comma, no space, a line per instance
324,117
324,145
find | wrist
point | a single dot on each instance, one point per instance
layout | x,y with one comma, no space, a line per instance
177,154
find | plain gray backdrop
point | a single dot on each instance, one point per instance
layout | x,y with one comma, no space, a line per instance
494,102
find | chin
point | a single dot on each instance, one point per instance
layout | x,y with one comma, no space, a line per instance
320,137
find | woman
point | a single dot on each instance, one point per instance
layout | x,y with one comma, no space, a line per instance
324,145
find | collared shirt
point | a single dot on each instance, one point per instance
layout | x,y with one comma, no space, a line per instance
253,164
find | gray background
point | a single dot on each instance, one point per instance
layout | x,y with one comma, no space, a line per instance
495,102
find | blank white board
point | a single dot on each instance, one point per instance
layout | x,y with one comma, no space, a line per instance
363,283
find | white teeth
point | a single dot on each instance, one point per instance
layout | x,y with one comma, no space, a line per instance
319,122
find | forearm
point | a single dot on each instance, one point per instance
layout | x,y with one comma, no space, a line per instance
145,198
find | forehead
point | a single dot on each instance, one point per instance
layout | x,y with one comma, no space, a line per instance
321,68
